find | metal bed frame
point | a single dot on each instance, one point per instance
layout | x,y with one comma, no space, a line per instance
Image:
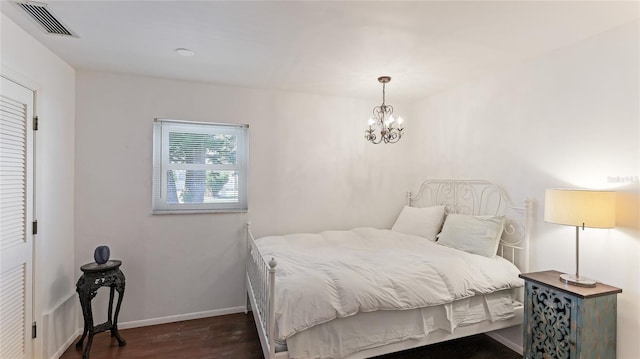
472,197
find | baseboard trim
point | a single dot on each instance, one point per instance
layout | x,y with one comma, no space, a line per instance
66,345
56,322
180,317
506,342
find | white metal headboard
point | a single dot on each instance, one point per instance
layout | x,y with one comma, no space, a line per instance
482,198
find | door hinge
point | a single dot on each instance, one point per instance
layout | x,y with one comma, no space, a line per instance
35,123
34,330
34,227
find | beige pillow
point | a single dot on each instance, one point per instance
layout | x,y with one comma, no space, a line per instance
420,221
473,234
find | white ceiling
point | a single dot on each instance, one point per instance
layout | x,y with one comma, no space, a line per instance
326,47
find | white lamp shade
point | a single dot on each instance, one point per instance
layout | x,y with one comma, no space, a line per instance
573,207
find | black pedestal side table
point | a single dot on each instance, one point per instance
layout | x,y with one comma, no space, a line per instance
94,276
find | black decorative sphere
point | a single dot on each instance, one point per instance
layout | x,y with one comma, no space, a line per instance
101,254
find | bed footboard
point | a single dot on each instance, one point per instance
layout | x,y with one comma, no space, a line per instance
261,279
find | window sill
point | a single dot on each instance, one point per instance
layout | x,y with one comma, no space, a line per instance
199,211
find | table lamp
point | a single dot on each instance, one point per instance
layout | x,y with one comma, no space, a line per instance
579,208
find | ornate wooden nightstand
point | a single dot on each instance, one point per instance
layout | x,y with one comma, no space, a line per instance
93,277
565,321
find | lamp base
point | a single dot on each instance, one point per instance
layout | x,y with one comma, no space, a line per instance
577,281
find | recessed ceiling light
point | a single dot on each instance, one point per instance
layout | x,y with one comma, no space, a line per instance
185,52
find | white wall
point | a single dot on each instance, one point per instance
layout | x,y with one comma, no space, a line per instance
566,119
310,169
27,61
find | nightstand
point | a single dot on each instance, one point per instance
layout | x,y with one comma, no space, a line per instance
565,321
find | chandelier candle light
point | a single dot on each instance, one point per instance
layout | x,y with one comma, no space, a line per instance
384,121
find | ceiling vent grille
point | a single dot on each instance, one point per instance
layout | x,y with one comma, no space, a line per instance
43,16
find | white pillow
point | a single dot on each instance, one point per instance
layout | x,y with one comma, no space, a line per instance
473,234
420,221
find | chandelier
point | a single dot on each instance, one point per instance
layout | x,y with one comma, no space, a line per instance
383,121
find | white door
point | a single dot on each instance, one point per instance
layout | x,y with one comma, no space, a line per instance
16,217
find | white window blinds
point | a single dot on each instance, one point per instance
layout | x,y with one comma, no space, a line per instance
199,167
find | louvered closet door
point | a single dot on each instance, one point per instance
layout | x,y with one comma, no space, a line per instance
16,209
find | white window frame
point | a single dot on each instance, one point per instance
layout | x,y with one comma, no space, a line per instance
161,165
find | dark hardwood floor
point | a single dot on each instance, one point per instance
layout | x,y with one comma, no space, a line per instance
235,336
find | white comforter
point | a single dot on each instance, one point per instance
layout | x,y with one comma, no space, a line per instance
320,277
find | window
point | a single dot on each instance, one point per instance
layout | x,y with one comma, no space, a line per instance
199,167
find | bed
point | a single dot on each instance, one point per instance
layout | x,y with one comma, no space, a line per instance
448,268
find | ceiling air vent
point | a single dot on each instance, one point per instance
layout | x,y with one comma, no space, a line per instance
43,16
